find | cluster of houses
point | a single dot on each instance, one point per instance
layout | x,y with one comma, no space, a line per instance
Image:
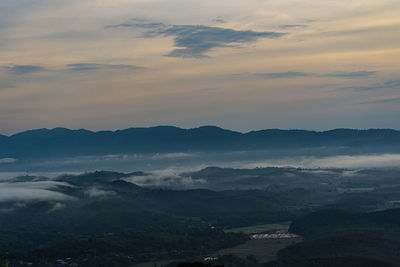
277,235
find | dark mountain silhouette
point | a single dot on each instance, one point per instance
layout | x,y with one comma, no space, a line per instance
98,177
64,142
332,222
330,234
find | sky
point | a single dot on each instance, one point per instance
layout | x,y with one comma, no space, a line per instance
242,65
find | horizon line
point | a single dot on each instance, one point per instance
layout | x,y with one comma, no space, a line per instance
195,128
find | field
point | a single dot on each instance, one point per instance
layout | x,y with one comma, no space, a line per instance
155,263
263,228
263,249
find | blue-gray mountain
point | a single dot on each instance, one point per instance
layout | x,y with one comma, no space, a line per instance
63,142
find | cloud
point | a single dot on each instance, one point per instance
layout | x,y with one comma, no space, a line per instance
318,171
168,178
24,69
367,161
33,191
291,26
393,84
57,206
96,192
288,74
360,88
160,156
196,40
93,67
385,100
145,25
343,161
10,207
4,176
219,20
40,184
7,160
177,177
338,74
351,74
27,194
390,84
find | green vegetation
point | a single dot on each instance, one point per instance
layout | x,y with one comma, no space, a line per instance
331,234
106,221
263,228
331,262
356,190
155,263
264,250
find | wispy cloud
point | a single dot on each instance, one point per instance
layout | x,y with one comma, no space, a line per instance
161,156
219,20
32,191
395,100
338,74
57,206
94,192
391,84
342,161
351,74
197,40
292,26
288,74
93,67
168,178
24,69
7,160
145,25
365,161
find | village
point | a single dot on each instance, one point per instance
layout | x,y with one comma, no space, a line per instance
277,235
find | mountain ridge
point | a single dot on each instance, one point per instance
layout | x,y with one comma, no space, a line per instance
59,129
63,142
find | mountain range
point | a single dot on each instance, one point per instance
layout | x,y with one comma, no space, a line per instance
62,142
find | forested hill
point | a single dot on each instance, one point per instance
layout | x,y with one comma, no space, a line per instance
66,142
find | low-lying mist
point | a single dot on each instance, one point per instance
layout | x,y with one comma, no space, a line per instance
181,171
172,164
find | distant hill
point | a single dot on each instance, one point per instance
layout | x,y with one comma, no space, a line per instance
334,234
331,262
332,222
64,142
